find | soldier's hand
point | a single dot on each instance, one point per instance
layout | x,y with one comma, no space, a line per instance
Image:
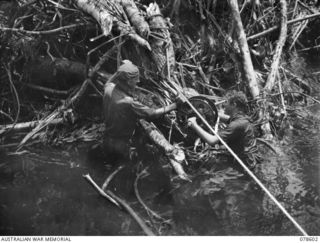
192,121
180,99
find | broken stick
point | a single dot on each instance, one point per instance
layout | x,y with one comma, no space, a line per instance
110,196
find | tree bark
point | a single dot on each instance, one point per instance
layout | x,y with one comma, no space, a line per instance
278,51
249,73
135,17
99,11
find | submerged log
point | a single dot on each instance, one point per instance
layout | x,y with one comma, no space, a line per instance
176,156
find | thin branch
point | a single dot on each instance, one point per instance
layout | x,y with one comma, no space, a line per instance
58,5
101,192
263,33
126,206
309,48
149,211
280,89
27,125
110,177
47,90
42,32
8,69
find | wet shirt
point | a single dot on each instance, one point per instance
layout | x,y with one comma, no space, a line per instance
239,134
121,112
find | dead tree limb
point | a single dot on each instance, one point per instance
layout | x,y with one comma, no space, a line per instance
101,192
47,90
278,51
149,211
135,17
119,202
42,32
265,32
110,177
162,51
175,155
107,12
99,11
26,125
126,206
248,70
110,196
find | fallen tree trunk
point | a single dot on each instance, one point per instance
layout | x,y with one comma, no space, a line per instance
278,51
248,70
58,73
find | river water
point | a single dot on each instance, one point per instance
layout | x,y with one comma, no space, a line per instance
42,192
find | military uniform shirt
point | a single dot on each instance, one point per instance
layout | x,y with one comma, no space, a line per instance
121,112
239,134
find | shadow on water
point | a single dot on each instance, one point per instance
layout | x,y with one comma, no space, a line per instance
42,192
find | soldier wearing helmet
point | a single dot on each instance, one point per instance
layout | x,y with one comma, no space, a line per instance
122,111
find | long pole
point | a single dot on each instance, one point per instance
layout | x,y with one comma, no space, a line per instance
243,165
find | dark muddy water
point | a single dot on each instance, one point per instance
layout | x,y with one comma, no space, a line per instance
42,192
